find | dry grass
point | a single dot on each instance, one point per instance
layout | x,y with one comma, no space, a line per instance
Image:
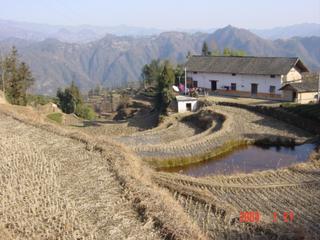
31,205
56,188
106,192
216,202
113,192
231,127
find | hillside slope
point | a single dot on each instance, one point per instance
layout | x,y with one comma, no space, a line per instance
114,61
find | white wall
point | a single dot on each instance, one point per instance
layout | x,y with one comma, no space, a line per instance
243,81
182,106
293,75
306,97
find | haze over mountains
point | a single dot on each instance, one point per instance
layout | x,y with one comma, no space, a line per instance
87,33
113,61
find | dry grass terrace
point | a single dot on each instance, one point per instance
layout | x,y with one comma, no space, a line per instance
77,183
242,100
230,127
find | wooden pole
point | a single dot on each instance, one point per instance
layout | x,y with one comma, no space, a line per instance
185,81
3,75
319,89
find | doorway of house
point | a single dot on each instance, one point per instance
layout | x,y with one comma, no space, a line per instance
213,85
294,96
188,105
254,89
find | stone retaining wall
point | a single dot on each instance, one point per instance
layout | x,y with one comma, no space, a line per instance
280,114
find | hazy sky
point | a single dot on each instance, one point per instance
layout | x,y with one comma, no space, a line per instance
164,14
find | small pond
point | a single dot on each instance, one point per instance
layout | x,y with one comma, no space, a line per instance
248,159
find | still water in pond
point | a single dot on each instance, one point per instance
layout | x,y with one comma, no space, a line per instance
248,159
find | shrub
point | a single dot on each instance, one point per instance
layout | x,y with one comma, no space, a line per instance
57,117
35,100
86,112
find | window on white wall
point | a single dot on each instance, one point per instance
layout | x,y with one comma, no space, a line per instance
272,89
195,84
233,86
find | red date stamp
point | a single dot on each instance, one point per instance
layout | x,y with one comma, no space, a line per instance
255,217
249,217
285,217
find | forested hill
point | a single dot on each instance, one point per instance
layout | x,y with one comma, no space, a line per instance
115,60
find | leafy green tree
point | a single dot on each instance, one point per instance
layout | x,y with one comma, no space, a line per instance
16,78
150,72
35,100
239,53
162,75
86,112
227,52
230,53
179,74
166,80
67,102
205,49
75,92
216,52
71,101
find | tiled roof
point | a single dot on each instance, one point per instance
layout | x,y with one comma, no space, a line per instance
305,86
244,65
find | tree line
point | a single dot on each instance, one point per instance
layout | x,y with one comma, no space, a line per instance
161,75
16,78
225,52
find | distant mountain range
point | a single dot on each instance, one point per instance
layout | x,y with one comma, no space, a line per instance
72,34
298,30
87,33
112,61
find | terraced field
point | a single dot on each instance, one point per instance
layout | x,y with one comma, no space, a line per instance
57,185
231,127
215,203
174,128
311,111
53,187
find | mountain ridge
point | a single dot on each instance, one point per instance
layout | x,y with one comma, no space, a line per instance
113,61
88,33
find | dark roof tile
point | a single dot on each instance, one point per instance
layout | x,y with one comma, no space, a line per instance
243,65
310,85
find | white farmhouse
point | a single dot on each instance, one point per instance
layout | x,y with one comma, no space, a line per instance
259,77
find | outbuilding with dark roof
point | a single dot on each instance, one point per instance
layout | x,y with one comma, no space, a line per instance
305,91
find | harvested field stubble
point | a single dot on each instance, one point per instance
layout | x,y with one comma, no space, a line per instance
102,190
31,204
232,127
296,189
114,195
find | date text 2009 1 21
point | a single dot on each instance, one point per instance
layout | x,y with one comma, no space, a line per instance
255,216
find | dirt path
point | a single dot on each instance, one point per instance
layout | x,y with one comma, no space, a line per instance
71,186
